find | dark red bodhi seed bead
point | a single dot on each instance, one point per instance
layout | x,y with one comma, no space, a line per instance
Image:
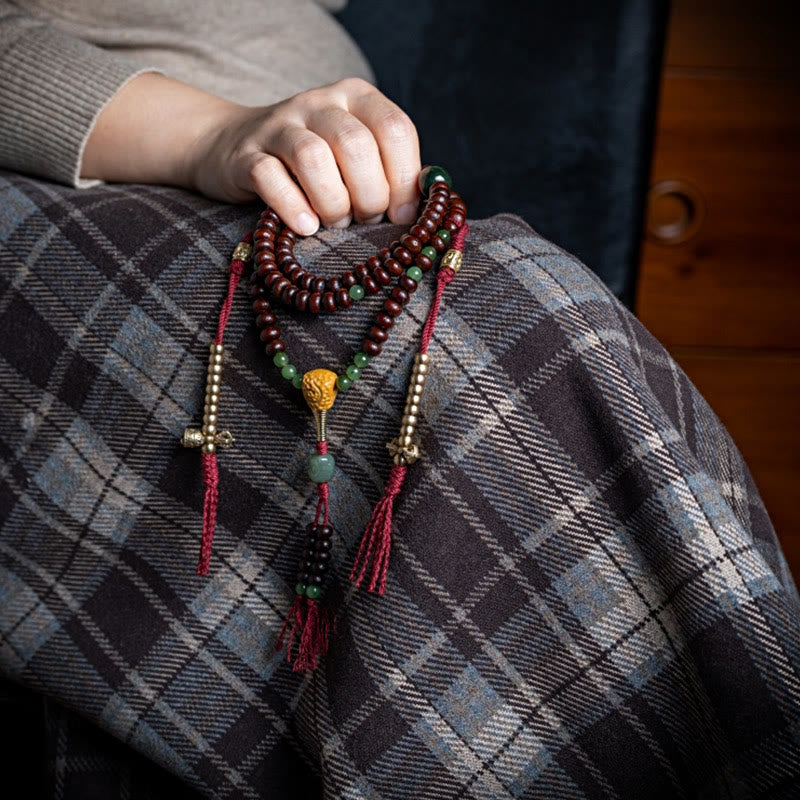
362,270
319,285
393,266
272,279
393,307
382,276
329,302
288,295
270,333
421,233
400,295
315,303
373,262
333,285
438,244
279,286
275,346
349,279
370,284
411,242
301,299
423,262
409,284
267,318
377,334
261,305
371,348
403,256
343,299
384,320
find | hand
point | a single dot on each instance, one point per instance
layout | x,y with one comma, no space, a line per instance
328,155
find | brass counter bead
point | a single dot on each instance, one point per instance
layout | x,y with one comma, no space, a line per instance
409,419
209,447
422,358
215,369
209,430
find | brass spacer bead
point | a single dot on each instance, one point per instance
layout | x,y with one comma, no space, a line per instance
420,368
422,358
411,408
407,430
209,447
215,369
409,419
210,418
452,258
215,358
215,379
209,430
242,252
406,441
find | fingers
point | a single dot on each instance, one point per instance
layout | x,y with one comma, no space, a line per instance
334,154
396,138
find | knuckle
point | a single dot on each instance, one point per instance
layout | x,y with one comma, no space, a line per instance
308,152
354,86
262,171
355,141
397,125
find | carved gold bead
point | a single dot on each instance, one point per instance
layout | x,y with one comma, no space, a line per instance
319,389
192,437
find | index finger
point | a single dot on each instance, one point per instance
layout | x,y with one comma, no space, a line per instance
398,144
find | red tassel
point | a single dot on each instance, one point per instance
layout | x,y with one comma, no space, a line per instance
312,624
377,539
210,502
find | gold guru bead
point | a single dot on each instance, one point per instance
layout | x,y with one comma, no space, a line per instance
404,449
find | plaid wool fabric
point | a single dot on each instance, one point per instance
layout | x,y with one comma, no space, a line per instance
585,596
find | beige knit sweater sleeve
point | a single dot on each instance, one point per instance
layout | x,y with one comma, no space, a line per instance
61,61
53,87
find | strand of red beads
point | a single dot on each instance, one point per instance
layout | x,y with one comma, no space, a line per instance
278,276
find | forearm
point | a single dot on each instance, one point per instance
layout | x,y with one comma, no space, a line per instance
149,132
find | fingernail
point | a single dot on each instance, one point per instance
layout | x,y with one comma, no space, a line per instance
341,223
406,214
306,224
372,220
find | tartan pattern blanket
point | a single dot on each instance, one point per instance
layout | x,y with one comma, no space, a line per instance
585,598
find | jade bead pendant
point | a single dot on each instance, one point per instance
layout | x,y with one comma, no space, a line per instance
321,468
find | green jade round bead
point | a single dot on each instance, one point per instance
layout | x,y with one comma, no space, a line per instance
297,381
313,592
362,359
356,292
444,235
289,372
300,588
321,468
280,359
429,251
344,383
431,175
415,273
353,372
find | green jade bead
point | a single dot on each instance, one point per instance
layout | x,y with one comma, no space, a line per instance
431,175
356,292
300,588
415,273
321,468
362,359
289,372
430,252
313,592
444,235
353,372
297,381
344,383
280,359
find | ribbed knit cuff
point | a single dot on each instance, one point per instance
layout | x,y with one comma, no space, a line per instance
52,92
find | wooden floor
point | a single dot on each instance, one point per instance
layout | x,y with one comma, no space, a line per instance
720,273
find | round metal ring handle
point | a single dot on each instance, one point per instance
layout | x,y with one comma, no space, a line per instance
675,211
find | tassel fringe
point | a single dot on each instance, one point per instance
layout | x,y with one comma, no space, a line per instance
312,625
377,539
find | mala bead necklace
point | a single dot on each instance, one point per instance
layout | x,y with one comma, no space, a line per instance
277,277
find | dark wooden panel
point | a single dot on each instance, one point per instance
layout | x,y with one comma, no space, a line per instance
736,280
757,397
734,35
